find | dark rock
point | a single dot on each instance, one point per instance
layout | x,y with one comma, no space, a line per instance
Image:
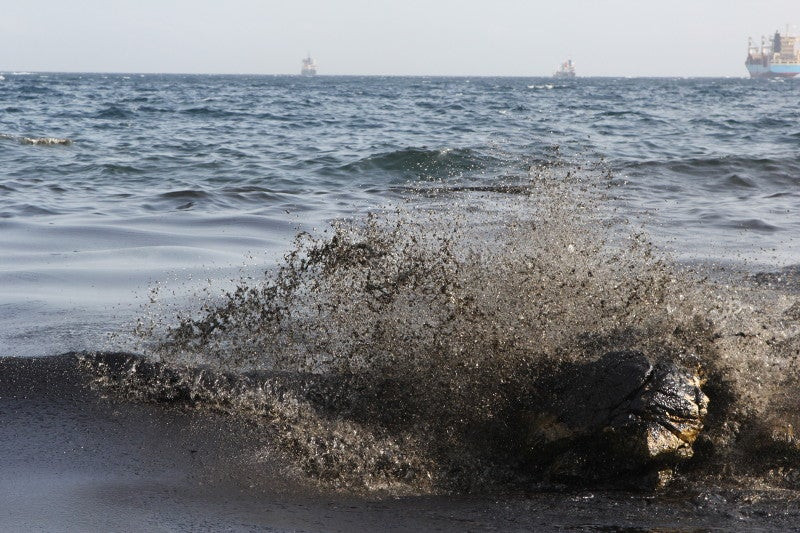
619,417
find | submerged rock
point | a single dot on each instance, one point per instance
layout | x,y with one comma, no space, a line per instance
621,417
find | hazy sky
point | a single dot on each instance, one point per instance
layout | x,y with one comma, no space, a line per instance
425,37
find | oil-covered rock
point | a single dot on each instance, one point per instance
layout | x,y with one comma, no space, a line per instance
619,418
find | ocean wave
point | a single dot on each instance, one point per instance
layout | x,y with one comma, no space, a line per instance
154,109
737,181
206,111
30,210
423,162
783,194
187,194
38,141
752,224
767,167
252,194
114,112
46,141
116,168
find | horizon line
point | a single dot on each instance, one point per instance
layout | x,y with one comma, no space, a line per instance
549,76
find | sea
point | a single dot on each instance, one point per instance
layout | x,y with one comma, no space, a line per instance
135,206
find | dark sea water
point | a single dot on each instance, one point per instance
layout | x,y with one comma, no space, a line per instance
111,185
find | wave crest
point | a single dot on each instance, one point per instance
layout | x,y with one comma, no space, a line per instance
46,141
423,163
40,141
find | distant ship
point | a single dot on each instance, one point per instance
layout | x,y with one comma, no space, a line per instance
776,59
309,67
565,70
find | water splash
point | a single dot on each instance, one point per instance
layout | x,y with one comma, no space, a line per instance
439,320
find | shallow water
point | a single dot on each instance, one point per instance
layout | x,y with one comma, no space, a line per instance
520,220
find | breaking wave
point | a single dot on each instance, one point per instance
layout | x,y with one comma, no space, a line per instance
45,141
403,350
423,163
42,141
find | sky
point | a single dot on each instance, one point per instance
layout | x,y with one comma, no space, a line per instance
382,37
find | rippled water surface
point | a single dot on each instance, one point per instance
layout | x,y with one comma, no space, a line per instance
111,183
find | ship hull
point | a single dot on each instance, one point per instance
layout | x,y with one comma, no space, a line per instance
784,70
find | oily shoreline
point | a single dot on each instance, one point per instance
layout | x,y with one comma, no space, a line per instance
76,459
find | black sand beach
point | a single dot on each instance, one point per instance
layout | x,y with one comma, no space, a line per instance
72,460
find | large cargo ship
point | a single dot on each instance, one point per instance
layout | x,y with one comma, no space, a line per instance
778,58
565,70
309,67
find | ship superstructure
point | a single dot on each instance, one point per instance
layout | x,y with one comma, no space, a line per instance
777,57
565,70
309,67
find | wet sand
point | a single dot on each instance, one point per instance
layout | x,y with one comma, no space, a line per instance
73,460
